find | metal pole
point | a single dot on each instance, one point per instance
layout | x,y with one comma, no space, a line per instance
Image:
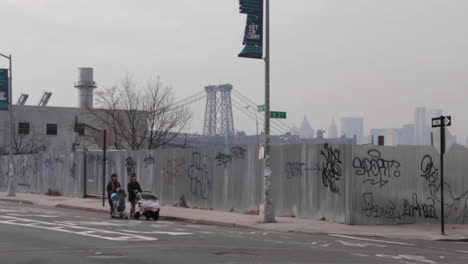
442,152
104,169
85,175
12,182
269,210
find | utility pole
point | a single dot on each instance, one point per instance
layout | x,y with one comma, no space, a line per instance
11,176
269,209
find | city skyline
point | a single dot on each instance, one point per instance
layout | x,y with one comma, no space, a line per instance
349,61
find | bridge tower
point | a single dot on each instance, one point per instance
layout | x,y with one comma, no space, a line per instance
219,121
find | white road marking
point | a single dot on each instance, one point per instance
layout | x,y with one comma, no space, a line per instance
360,255
363,245
102,223
462,251
158,232
407,257
372,240
32,215
74,229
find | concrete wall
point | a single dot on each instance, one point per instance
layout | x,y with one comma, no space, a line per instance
350,184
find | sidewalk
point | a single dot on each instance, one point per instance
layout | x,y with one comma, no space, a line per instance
284,224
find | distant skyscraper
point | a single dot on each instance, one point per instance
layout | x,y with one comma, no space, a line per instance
333,130
422,131
306,131
353,126
407,135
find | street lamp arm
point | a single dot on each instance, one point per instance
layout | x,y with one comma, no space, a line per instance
5,56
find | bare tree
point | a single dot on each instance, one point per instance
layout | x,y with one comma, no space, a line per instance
165,120
140,117
30,143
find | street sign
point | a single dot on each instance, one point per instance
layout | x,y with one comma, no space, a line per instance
442,142
261,108
4,83
278,115
443,121
448,140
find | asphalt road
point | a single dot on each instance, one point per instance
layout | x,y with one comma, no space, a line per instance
31,234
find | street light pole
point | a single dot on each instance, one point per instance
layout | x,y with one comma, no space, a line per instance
269,210
256,122
11,178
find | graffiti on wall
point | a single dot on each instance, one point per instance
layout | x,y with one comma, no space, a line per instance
21,168
372,209
223,159
197,172
172,170
238,152
294,169
148,160
378,171
456,205
330,168
130,165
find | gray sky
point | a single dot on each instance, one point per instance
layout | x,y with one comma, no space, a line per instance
375,59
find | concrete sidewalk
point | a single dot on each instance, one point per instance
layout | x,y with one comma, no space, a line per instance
284,224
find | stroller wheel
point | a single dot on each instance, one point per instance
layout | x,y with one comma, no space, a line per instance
156,216
147,217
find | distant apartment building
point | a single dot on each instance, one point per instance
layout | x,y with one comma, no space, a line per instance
353,127
332,130
391,136
423,128
407,135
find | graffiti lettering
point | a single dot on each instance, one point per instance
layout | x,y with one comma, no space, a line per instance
454,204
414,209
223,159
330,169
130,165
198,174
377,211
238,152
148,161
173,170
294,169
378,170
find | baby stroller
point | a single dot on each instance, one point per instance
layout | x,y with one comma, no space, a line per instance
148,206
118,200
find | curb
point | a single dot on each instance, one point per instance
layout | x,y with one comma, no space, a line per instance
16,201
162,217
464,239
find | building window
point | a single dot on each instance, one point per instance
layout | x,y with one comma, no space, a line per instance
51,129
23,128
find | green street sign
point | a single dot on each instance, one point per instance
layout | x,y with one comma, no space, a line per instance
261,108
279,115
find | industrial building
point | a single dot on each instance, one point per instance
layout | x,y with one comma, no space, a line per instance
41,127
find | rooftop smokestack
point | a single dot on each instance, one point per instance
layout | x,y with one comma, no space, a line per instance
85,85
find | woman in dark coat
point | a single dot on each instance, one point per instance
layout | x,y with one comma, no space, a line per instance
132,187
112,187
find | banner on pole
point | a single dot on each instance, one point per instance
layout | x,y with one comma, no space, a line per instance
253,36
4,96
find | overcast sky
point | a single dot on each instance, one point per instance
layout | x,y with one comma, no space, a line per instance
330,58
